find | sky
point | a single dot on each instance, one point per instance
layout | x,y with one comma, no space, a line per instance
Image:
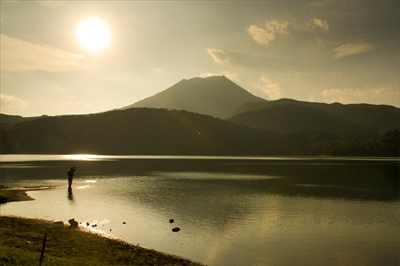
54,61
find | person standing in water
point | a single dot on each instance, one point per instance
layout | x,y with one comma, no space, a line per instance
71,175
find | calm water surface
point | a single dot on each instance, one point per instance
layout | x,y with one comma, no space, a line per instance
231,210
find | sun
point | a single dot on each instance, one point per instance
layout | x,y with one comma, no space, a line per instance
93,34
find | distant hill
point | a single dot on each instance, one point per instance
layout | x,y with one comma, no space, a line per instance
352,120
7,121
141,131
8,144
216,96
147,131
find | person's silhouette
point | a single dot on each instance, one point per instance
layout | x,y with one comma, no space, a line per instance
71,175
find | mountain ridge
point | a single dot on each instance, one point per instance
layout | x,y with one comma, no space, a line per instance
216,96
288,115
259,127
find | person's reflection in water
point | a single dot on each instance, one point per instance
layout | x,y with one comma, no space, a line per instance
70,195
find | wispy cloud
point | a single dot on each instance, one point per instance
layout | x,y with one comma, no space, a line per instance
350,95
351,49
219,56
268,33
51,3
296,74
8,101
10,18
19,55
272,89
311,98
319,23
231,76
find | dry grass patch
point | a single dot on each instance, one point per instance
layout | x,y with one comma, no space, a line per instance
21,244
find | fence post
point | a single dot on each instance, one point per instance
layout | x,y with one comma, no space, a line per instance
43,246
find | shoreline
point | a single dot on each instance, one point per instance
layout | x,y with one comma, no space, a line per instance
15,194
14,227
23,240
8,194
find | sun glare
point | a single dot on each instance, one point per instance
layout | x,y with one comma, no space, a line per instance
83,157
93,34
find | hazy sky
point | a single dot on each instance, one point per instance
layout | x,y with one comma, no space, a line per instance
322,51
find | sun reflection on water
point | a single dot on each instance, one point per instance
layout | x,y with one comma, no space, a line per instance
84,157
83,187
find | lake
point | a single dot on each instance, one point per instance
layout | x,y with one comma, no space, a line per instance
231,210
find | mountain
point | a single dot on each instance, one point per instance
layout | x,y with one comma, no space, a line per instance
219,97
287,115
258,127
216,96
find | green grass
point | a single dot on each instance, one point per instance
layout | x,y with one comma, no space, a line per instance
21,244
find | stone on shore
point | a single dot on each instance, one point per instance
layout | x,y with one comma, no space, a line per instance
59,223
73,223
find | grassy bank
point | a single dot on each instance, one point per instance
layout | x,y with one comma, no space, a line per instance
22,238
8,195
21,241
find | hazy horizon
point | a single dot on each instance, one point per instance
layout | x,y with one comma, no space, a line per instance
60,57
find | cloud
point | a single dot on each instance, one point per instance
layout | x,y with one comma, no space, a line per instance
351,49
8,101
319,23
51,3
296,74
219,56
272,29
354,95
209,74
19,55
272,89
10,18
311,98
231,76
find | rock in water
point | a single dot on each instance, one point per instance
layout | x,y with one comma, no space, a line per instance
171,220
175,229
